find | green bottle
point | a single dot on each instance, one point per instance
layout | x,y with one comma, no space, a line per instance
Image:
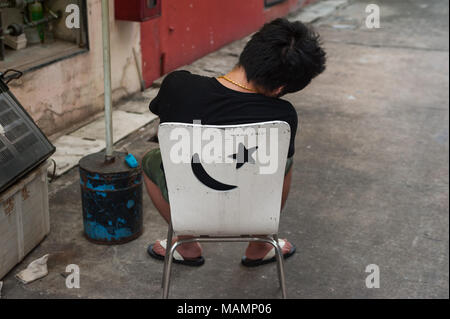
36,12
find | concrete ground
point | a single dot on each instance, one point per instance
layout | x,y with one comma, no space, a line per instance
370,185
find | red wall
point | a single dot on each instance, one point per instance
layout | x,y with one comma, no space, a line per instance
190,29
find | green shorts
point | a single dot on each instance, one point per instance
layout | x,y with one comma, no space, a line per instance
152,166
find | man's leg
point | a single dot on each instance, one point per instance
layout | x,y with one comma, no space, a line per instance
286,187
257,250
188,250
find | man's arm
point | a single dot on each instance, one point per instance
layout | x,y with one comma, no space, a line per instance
154,104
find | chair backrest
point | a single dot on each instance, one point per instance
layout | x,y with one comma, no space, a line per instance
224,180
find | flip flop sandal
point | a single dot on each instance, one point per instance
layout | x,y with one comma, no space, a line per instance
269,258
177,258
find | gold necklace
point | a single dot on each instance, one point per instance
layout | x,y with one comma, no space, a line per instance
237,84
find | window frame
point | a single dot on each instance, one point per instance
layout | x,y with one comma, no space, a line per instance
78,48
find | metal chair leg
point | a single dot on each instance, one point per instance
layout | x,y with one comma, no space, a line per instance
275,237
168,246
273,241
280,266
169,269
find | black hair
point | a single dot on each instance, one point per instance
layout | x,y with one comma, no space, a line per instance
283,53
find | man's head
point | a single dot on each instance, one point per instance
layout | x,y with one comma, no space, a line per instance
283,57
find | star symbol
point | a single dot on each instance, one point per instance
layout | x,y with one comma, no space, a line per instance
244,155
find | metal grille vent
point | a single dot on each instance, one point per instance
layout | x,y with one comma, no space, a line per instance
22,144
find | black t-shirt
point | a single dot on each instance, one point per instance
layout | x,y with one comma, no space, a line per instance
185,97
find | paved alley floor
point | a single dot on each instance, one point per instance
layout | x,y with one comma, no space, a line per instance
370,184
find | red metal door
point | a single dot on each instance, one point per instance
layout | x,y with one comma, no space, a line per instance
190,29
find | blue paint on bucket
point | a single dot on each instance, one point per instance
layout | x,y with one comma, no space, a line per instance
131,161
96,230
130,203
111,199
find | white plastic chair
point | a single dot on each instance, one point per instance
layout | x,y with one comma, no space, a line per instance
223,201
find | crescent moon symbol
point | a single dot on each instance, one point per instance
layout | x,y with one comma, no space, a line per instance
205,178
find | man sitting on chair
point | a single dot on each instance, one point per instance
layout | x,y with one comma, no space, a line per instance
283,57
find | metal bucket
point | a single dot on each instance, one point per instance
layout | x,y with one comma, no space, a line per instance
111,195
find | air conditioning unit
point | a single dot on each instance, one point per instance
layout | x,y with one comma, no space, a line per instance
23,146
24,150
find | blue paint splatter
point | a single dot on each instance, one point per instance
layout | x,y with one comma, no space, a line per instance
130,203
103,187
131,161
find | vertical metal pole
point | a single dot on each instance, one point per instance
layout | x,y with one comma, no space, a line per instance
107,79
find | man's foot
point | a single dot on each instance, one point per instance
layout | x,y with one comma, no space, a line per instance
188,254
259,253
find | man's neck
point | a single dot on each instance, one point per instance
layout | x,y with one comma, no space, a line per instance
239,76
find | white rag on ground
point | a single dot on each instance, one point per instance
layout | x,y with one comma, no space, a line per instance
35,270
